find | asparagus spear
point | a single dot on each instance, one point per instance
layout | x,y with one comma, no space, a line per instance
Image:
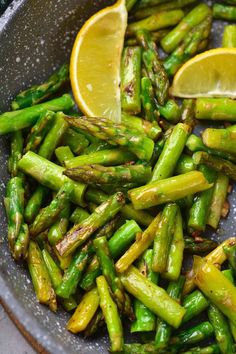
73,274
187,113
145,319
63,153
192,19
151,129
148,100
56,278
79,215
154,66
14,204
171,152
215,286
50,175
152,296
221,329
224,12
194,144
163,238
76,141
37,94
81,232
96,322
130,4
175,258
116,134
199,245
111,315
130,80
156,21
39,130
137,348
191,336
97,174
139,246
229,37
50,213
218,199
26,117
110,227
217,163
40,277
170,111
22,242
108,269
168,190
163,332
34,203
185,164
216,109
230,252
156,37
118,244
96,146
220,139
200,209
17,142
194,304
84,312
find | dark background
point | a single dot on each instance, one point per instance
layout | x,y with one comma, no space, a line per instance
3,5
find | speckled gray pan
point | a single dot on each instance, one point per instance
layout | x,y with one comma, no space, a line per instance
35,38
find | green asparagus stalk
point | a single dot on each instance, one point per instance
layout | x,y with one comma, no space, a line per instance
175,258
219,196
163,238
111,315
34,203
148,100
194,304
163,332
84,312
156,37
221,329
187,112
22,242
76,141
220,139
109,228
56,278
73,274
170,111
230,252
229,37
39,130
215,286
97,174
130,80
58,230
50,175
216,109
216,163
150,129
191,336
37,94
26,117
40,277
118,244
194,144
14,204
108,270
200,209
96,322
185,164
156,21
116,134
199,245
154,66
50,213
81,232
54,136
168,190
63,153
96,146
141,243
79,215
130,4
171,152
224,12
152,296
137,348
17,142
171,41
145,319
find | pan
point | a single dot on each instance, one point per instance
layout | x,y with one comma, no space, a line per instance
35,38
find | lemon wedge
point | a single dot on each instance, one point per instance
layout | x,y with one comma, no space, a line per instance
209,74
95,63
